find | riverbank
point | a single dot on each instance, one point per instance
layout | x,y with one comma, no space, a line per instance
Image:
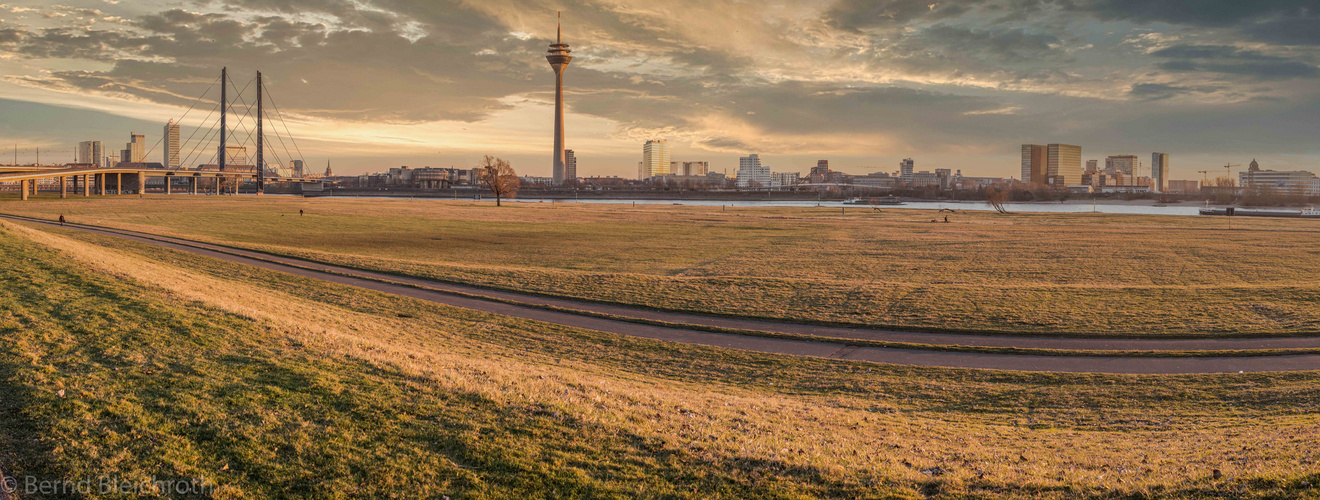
1079,274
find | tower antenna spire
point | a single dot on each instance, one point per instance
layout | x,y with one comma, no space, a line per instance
559,22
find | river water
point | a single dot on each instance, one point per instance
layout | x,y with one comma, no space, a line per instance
1070,207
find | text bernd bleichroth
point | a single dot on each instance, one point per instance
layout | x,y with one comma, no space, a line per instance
105,485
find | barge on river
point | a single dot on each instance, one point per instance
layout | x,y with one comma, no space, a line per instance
1309,213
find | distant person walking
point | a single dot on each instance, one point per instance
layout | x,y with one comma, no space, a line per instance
61,219
300,212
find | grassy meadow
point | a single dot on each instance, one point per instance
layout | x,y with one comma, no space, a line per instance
1084,274
132,361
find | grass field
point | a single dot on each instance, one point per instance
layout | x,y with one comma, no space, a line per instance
133,361
1089,274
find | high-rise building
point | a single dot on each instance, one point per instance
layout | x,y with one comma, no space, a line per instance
694,168
1034,159
655,158
297,168
1159,170
90,152
1092,166
171,144
570,165
905,168
237,155
945,177
751,174
558,58
821,173
1063,165
1122,164
136,147
784,179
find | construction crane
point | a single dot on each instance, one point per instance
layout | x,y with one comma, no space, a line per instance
1204,176
1228,170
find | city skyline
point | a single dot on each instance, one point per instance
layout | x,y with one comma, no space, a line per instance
1209,88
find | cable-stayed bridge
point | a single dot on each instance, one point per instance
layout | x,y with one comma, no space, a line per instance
227,169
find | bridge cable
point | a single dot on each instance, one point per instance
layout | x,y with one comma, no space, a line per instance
204,141
286,148
206,138
284,122
250,132
246,114
184,144
240,96
279,159
185,115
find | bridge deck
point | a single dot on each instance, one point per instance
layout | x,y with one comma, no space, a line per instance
101,177
44,173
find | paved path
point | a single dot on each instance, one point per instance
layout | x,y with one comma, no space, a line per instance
836,346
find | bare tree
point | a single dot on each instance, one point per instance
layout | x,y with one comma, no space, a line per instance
499,178
996,196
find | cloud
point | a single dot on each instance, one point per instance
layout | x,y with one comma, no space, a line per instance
1290,22
852,77
997,45
1296,30
353,74
1160,91
1232,60
862,14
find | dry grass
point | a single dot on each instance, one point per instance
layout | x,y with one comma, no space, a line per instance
1043,273
174,364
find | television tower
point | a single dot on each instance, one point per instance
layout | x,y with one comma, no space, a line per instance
559,59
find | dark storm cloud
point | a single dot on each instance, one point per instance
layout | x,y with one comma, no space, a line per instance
1233,61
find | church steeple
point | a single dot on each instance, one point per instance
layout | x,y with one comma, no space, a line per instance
328,173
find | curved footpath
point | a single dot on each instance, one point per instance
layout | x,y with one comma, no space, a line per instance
688,328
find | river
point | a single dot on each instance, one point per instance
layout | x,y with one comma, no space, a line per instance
1142,208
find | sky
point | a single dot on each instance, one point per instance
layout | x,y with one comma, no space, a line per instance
374,84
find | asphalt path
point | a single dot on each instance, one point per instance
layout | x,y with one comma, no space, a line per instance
834,343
